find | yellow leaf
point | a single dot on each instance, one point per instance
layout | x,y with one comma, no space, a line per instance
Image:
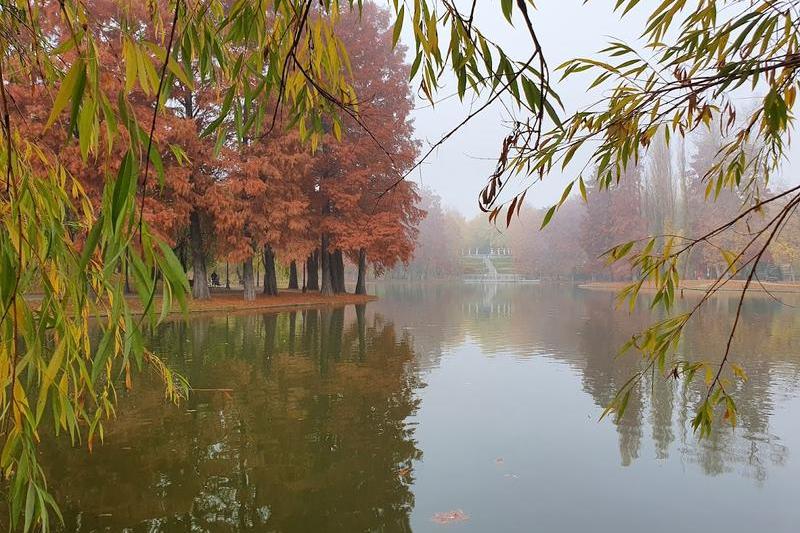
739,372
129,54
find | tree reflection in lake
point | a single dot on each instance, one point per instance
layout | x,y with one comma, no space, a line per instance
583,329
294,426
317,420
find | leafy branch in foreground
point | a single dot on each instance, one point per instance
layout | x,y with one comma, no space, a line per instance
276,62
69,336
660,271
103,74
699,58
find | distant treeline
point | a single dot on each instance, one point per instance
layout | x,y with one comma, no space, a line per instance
664,195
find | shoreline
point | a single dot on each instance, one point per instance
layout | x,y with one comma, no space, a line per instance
232,301
699,286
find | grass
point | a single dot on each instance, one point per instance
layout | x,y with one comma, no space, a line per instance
504,265
476,266
472,266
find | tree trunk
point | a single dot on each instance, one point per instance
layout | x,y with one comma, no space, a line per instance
182,254
227,275
292,331
248,280
312,265
338,272
293,275
324,334
361,323
361,283
270,333
200,285
310,327
334,277
327,281
270,278
336,332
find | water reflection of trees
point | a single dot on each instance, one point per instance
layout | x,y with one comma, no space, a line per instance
299,424
313,435
584,330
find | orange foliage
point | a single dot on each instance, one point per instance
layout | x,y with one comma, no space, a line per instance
270,189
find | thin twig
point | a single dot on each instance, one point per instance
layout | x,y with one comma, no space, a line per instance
155,115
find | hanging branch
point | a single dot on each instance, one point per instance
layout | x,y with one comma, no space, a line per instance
161,79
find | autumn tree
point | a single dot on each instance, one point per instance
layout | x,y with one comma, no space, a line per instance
196,102
72,251
555,252
282,220
659,189
705,260
291,47
368,212
613,215
439,241
164,203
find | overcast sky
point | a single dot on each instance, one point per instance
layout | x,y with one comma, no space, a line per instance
567,29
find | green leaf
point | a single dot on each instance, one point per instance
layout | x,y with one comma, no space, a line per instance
173,66
29,504
74,80
123,187
507,6
532,94
398,25
582,186
155,159
86,127
173,272
91,243
623,405
548,216
415,65
565,194
129,55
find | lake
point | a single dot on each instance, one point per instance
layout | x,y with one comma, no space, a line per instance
443,408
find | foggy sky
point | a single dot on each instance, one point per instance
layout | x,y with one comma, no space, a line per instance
567,28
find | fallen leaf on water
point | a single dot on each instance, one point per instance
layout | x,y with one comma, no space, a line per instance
449,517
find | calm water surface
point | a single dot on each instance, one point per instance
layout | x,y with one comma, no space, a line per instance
483,399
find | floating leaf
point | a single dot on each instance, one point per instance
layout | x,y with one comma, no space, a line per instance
450,517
